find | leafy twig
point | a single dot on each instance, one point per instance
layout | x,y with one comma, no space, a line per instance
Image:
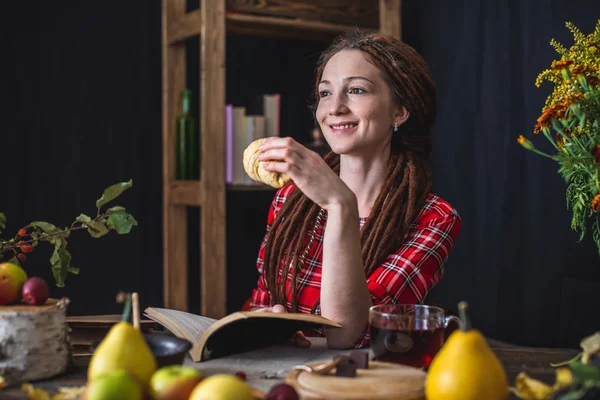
27,238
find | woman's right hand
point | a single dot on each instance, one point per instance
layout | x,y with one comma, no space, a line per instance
298,339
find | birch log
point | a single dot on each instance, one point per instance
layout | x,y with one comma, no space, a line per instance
34,342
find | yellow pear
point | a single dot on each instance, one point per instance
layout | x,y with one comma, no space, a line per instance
466,368
222,387
123,348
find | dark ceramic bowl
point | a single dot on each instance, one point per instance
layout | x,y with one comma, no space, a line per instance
167,349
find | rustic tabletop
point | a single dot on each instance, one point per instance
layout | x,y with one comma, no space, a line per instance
267,367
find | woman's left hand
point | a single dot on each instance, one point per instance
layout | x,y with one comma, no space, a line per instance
308,170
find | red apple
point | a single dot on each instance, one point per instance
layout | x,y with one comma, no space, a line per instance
174,382
12,278
35,291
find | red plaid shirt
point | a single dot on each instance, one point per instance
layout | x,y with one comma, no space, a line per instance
405,277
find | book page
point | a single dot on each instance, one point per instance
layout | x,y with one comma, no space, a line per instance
191,325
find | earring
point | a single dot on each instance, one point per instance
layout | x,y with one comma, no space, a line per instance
395,127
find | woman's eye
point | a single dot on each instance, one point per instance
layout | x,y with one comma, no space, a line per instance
357,90
324,93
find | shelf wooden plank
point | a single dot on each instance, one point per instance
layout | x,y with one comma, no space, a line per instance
351,12
189,25
186,26
255,25
188,193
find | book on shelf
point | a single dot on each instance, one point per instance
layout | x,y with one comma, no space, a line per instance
272,113
254,128
237,332
229,143
245,124
239,139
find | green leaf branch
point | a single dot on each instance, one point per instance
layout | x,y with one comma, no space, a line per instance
115,218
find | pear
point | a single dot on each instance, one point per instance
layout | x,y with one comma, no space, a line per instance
466,368
115,385
123,348
222,387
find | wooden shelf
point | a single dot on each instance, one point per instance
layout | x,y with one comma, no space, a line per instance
190,24
189,193
266,26
293,19
362,13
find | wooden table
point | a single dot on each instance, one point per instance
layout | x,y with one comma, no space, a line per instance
534,361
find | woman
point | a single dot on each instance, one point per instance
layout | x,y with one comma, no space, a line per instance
367,210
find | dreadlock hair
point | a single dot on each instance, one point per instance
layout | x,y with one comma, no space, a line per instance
407,179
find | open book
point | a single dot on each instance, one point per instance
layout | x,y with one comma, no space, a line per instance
236,333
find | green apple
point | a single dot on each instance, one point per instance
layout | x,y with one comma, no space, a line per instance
114,385
12,278
222,387
174,382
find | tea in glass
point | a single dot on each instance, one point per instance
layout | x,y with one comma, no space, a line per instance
407,334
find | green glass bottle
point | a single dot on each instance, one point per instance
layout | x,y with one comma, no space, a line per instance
186,157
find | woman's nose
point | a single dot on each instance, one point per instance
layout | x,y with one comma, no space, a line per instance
338,104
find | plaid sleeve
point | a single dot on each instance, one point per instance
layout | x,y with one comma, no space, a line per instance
260,296
416,267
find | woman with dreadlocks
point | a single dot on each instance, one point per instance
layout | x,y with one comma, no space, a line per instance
362,226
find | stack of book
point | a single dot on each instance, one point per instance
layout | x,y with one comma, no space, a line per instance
243,125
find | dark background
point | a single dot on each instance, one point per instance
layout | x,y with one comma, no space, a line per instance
81,110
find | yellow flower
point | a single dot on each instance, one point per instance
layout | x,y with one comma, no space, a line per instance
524,142
581,70
596,203
561,64
579,60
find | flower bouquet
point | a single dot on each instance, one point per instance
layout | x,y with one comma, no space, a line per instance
570,121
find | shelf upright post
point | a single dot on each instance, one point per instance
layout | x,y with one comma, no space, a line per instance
212,159
390,17
174,215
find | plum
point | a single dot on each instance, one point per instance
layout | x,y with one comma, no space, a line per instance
35,291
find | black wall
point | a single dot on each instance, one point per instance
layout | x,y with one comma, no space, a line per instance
81,109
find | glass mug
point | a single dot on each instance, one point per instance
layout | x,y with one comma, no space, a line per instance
407,333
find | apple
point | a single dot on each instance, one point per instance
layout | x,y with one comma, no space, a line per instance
12,278
117,384
174,382
222,387
35,291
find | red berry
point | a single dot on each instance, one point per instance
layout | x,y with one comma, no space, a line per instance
241,375
26,248
22,257
22,232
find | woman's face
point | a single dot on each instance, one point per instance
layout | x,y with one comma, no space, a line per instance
355,109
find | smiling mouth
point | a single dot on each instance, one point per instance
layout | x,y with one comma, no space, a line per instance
343,127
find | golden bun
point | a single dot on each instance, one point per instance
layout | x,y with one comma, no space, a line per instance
254,167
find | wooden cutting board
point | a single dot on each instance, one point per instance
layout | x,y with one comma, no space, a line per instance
381,381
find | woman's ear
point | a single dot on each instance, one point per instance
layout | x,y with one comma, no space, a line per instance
401,115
